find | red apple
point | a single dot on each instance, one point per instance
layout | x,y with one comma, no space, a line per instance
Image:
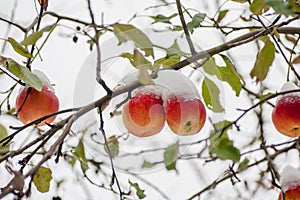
286,115
185,116
32,104
143,115
292,193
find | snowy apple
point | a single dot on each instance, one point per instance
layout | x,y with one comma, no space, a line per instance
32,104
290,183
143,115
185,116
286,114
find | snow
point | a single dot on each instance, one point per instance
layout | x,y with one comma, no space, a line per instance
289,86
290,177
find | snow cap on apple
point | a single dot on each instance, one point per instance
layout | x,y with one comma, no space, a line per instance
290,183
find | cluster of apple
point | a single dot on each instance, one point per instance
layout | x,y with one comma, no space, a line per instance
145,114
32,104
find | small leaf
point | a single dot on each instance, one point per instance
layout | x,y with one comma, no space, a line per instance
137,59
174,51
3,134
125,32
42,179
162,19
221,15
19,48
210,94
196,21
221,146
171,156
165,62
113,145
24,74
296,60
79,155
258,6
139,192
263,61
243,165
147,164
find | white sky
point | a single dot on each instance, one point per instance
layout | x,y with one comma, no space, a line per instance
70,67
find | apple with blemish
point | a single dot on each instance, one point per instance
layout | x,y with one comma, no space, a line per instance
32,104
286,114
185,116
143,115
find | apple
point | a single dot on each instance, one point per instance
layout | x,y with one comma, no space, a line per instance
292,193
32,104
143,115
286,114
185,116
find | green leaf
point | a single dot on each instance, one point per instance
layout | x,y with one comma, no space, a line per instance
221,146
171,156
162,19
23,74
196,21
227,74
210,94
3,134
19,48
79,155
263,61
221,15
165,62
113,145
32,38
42,179
243,165
139,192
174,51
258,6
147,164
125,32
280,7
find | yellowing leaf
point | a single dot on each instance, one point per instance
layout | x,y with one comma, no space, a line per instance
42,179
263,61
44,4
296,60
3,134
19,48
113,145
